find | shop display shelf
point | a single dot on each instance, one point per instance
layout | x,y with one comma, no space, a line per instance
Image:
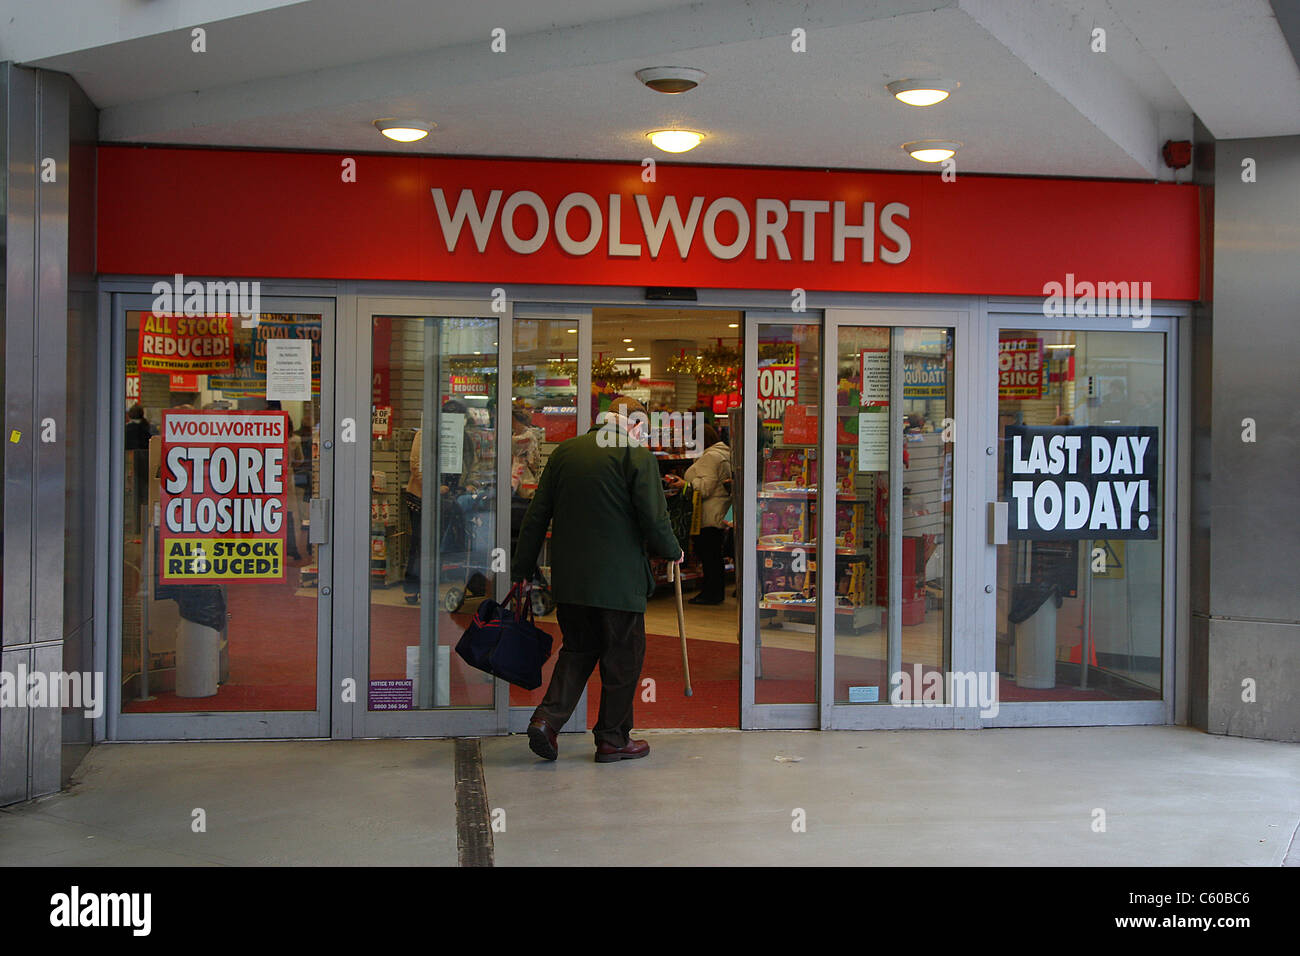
790,494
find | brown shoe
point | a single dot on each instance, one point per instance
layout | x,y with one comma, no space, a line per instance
542,740
608,753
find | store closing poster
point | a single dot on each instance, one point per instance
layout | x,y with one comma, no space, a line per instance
1020,368
1068,483
223,495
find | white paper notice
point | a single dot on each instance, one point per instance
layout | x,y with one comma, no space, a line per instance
873,441
451,443
288,370
875,376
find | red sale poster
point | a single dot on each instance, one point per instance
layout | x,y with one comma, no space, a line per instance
1020,368
183,343
224,483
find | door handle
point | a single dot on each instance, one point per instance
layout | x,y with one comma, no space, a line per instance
319,530
998,514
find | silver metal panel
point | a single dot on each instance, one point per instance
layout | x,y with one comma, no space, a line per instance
748,543
14,735
894,617
46,726
115,429
1255,548
1083,713
505,463
104,495
826,481
895,717
782,716
51,363
20,357
351,462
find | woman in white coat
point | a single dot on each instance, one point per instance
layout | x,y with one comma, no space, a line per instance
711,477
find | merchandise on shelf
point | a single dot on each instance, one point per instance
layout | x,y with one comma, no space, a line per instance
784,522
850,525
788,468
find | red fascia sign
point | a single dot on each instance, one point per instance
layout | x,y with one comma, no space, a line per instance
224,485
502,221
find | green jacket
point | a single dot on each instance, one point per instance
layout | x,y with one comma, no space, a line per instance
609,513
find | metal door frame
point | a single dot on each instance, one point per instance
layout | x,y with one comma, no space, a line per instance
999,314
200,724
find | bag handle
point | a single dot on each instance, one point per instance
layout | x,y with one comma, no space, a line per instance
519,597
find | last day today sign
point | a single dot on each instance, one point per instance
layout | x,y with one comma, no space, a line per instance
1068,483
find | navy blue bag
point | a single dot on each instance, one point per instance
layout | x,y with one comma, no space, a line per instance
505,642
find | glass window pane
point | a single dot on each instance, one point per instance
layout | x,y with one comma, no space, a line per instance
433,486
786,463
215,631
1056,597
544,412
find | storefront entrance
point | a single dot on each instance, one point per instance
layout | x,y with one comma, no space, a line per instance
852,571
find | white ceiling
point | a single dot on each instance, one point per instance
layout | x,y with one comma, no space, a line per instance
1034,99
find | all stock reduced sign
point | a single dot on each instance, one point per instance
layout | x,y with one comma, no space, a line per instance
1068,483
223,495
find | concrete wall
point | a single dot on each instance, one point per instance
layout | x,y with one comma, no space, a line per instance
1246,610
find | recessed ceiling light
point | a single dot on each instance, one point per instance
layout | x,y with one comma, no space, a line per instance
734,325
921,92
671,79
675,140
932,150
631,348
572,331
627,340
404,131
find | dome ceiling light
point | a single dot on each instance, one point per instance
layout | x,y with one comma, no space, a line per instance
932,150
675,140
671,79
403,130
921,92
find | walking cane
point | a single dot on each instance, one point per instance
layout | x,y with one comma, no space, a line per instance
676,571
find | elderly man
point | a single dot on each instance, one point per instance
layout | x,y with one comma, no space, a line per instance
603,494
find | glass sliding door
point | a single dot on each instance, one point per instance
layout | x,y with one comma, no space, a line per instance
1081,465
434,543
887,529
226,471
782,586
549,374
